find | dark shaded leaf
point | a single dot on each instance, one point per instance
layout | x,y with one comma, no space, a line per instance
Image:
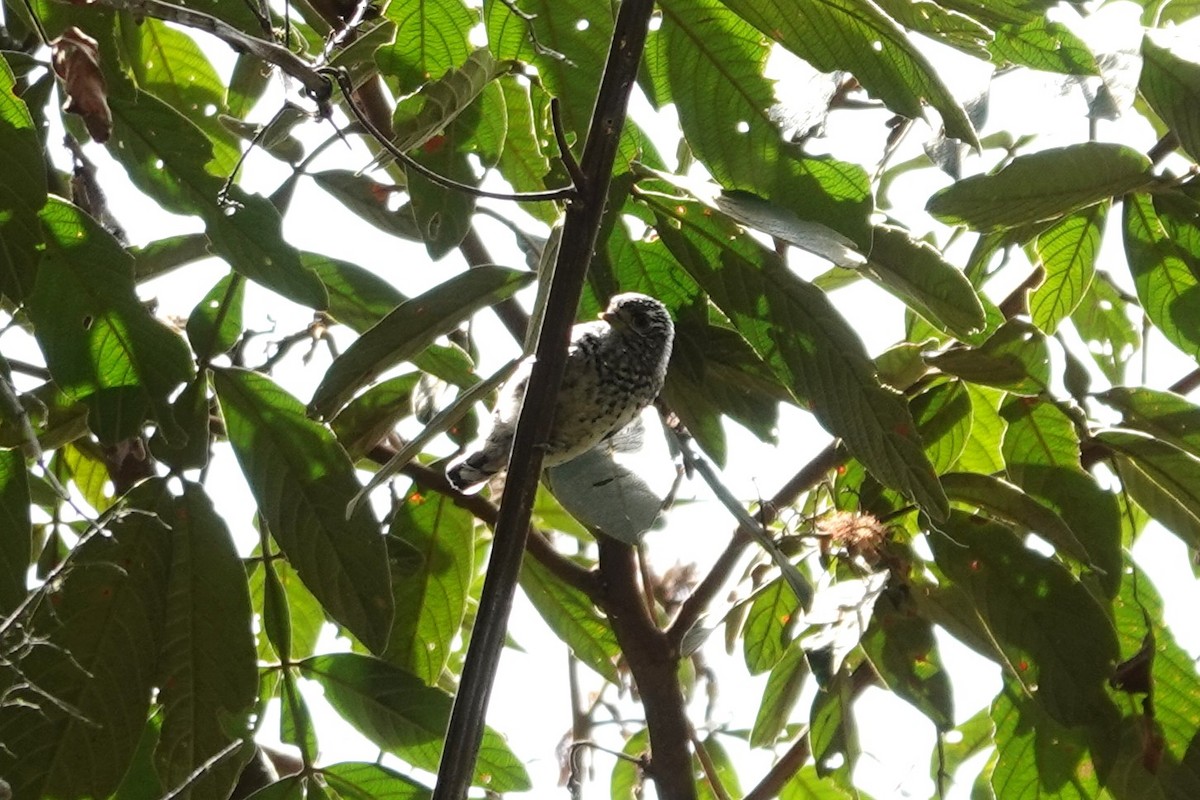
902,649
207,671
1005,501
404,716
215,324
1055,639
411,327
1162,415
79,732
100,342
796,330
1171,86
373,414
16,543
1036,753
1042,186
369,200
303,481
1103,322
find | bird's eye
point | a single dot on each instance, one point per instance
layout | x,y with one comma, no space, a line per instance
640,321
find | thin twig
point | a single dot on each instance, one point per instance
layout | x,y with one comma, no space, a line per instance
342,78
564,149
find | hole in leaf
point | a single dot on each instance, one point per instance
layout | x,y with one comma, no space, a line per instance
87,322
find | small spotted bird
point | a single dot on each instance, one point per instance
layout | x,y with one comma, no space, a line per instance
615,368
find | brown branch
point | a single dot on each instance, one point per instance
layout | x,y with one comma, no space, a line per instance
654,662
782,770
514,318
582,225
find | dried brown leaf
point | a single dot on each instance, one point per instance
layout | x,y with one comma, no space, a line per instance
76,59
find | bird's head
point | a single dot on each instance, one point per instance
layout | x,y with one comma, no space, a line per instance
639,315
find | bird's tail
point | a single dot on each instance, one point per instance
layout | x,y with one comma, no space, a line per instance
469,473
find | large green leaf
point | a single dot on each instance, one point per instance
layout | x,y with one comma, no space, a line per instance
102,346
75,735
1067,251
1054,638
433,41
858,37
22,190
1041,455
432,601
1162,415
417,119
409,328
769,622
1167,286
17,541
207,672
715,63
779,696
303,481
1042,186
363,781
1038,756
1043,44
943,417
794,328
1171,85
405,717
1015,358
1102,319
165,155
918,275
573,618
901,648
1161,478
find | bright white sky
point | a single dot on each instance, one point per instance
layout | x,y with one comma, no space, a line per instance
892,766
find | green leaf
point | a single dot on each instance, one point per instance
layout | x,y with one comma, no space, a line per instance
215,324
779,697
1161,478
207,670
100,342
431,602
1171,86
941,23
917,274
1067,252
943,416
573,618
169,64
16,544
1041,455
627,779
1045,45
302,481
369,200
807,784
974,735
1166,284
524,162
1162,415
161,256
192,412
417,119
364,781
772,616
434,41
295,719
715,67
1036,753
902,649
358,298
1054,637
165,156
292,617
833,732
1103,322
858,37
76,735
409,328
404,716
1042,186
1007,502
724,772
22,190
373,414
1015,358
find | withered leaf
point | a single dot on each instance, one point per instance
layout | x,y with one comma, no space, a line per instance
76,59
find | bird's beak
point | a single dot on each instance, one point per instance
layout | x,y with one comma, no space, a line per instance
607,316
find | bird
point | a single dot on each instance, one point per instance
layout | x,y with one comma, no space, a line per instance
615,368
